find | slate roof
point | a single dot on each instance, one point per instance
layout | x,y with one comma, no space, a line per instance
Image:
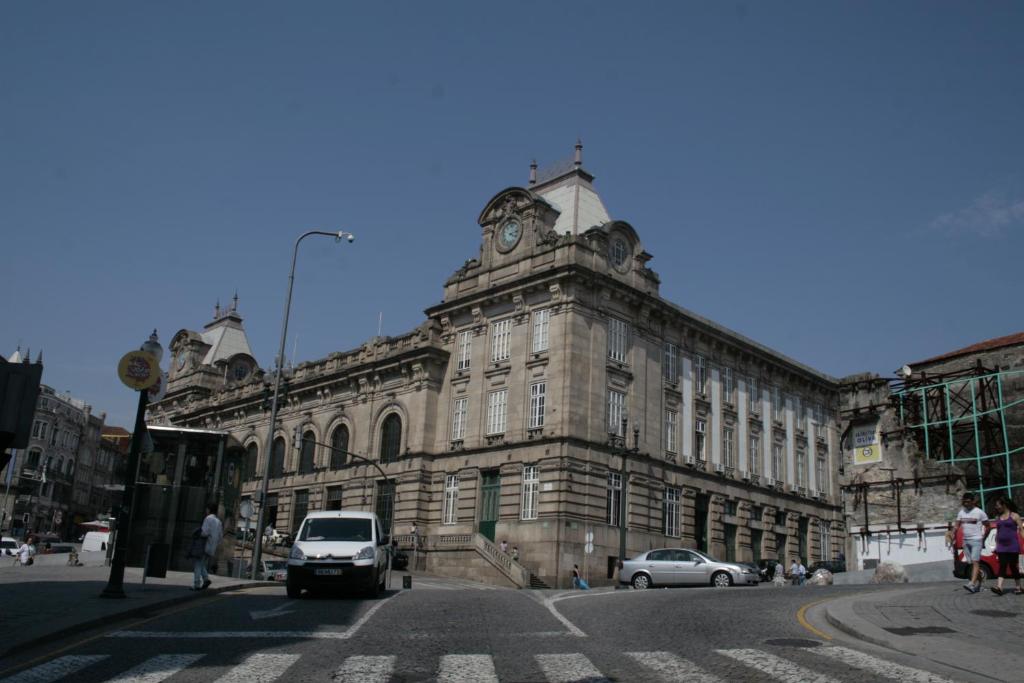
987,345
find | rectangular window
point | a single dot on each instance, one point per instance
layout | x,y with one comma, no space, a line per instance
333,498
531,483
755,455
451,499
699,443
616,411
36,426
728,447
776,404
671,426
700,372
670,512
825,530
300,508
618,339
821,474
538,396
754,394
800,460
541,323
727,385
497,407
459,419
501,335
776,461
670,364
465,349
614,502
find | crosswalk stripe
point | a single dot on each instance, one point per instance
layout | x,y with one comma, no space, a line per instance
467,669
776,667
55,670
569,668
259,668
365,669
880,667
156,669
670,667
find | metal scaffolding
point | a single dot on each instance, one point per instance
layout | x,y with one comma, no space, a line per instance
964,418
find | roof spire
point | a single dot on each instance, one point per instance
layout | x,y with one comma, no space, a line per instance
39,358
28,355
578,161
234,302
533,172
216,309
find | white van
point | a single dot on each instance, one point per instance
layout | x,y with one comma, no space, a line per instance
339,548
95,541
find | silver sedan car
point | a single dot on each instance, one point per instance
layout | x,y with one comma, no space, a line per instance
678,566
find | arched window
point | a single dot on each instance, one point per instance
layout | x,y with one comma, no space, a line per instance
339,447
390,438
33,459
307,453
249,467
277,458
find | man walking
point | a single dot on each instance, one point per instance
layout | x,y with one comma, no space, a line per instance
971,520
211,531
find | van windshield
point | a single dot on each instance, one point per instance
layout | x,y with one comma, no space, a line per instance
332,529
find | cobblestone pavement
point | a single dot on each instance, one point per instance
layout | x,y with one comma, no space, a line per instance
446,633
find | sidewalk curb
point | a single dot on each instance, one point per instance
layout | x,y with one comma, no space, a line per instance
130,613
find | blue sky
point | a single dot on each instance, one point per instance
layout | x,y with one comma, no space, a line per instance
840,181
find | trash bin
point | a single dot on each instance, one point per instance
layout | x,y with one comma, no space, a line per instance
158,556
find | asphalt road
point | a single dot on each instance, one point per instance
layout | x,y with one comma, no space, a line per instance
455,631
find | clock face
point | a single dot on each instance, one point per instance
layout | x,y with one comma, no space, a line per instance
509,234
180,360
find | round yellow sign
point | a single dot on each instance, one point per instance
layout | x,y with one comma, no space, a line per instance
138,370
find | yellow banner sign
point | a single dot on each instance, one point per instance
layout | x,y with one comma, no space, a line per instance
865,455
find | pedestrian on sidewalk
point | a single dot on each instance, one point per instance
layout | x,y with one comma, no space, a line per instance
576,578
1008,530
504,546
26,551
801,572
971,519
210,533
515,553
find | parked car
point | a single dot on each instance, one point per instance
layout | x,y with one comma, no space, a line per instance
9,546
834,566
339,548
678,566
273,570
989,561
96,541
400,560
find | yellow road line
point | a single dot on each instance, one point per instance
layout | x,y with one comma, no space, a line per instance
802,618
50,655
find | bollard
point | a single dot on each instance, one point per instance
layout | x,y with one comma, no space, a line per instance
406,581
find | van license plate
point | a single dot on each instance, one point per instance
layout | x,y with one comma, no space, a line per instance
328,572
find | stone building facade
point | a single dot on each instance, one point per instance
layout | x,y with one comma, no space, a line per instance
501,416
56,480
901,490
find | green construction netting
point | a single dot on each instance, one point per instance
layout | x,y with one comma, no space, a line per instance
969,421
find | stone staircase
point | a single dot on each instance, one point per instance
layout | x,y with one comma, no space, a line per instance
537,584
469,556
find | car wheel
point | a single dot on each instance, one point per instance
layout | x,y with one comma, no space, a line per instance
986,572
721,580
641,582
374,589
294,590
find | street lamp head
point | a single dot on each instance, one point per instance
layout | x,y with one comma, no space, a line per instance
152,347
347,235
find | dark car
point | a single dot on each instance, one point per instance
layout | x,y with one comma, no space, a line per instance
400,560
834,566
766,570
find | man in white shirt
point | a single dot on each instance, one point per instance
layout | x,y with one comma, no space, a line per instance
971,521
211,531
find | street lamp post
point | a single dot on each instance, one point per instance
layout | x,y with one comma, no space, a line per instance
122,528
618,443
268,451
